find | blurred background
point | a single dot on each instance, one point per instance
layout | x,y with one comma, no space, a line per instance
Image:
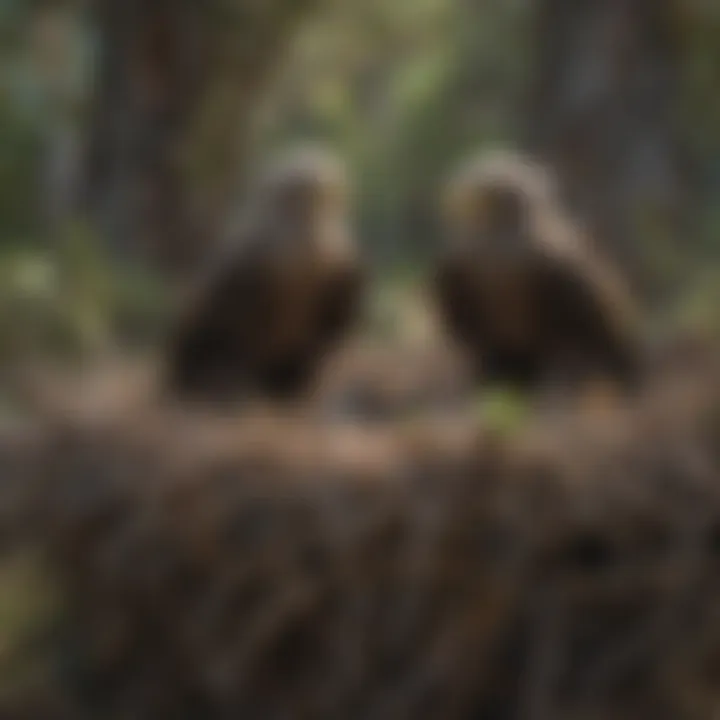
129,128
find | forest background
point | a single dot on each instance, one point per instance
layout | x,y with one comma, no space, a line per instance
128,130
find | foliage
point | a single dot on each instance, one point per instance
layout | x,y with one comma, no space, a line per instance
403,88
20,140
440,78
72,301
29,608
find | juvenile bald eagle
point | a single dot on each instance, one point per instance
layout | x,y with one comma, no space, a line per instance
280,295
520,287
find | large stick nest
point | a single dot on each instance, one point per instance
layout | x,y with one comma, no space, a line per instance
275,566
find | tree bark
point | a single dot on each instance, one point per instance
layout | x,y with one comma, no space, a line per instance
603,114
176,89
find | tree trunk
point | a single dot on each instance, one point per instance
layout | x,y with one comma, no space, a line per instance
177,84
57,50
604,116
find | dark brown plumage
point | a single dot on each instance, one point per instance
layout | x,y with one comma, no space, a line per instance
280,296
520,287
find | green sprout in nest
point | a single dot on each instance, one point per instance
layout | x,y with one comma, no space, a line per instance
503,410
